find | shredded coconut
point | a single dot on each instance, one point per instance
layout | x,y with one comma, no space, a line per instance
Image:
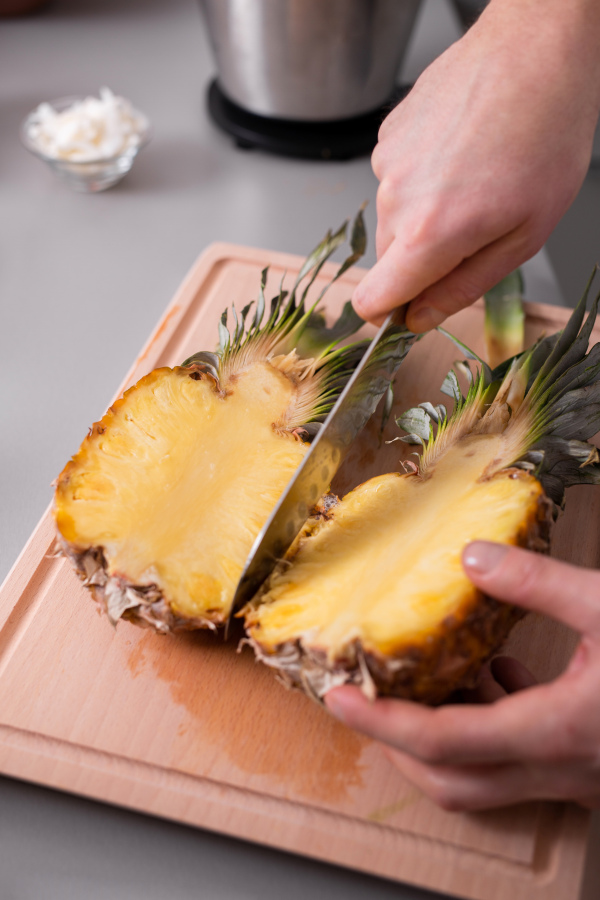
88,130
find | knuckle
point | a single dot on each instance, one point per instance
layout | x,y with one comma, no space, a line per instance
378,158
387,196
451,804
430,748
523,579
570,740
423,230
578,743
443,793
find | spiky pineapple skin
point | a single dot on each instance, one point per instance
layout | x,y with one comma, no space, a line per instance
151,609
426,672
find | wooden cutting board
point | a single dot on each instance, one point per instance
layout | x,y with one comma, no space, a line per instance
187,728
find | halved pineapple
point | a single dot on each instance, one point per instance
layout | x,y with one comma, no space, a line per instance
161,505
374,593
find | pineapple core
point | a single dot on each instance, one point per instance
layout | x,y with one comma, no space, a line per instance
386,568
177,480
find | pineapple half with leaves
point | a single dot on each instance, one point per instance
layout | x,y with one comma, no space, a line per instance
160,507
373,592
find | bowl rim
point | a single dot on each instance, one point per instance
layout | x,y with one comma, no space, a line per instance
63,103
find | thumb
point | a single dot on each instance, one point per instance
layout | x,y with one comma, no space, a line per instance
570,594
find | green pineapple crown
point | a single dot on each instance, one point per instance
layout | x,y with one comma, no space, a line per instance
294,337
545,402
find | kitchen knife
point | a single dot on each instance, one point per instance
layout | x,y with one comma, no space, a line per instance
312,479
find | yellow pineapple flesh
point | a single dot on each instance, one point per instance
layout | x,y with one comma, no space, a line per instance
381,574
159,494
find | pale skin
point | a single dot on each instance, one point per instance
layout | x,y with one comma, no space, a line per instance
476,168
480,161
524,741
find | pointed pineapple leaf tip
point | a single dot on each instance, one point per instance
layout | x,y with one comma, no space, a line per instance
320,254
224,338
470,354
463,367
566,339
358,239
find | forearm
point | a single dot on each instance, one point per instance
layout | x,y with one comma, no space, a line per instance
556,41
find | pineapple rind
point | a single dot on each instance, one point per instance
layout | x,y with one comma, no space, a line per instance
426,671
121,599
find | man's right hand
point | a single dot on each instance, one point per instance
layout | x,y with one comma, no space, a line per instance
480,161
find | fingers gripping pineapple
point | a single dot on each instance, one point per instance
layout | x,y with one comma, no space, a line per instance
373,591
160,507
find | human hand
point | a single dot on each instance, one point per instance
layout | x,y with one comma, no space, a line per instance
528,741
481,160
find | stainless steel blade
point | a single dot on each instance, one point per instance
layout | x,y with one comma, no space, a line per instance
312,479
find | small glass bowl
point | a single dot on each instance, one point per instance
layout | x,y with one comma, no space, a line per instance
85,177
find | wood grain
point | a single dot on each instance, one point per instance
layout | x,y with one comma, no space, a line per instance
186,728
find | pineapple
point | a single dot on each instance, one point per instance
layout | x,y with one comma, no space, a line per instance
160,507
373,593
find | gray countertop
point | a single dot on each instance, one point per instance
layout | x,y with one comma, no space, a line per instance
83,280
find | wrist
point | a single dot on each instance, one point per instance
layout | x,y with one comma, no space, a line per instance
557,39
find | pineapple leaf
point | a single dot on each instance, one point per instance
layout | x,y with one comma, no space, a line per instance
260,303
417,423
317,260
387,408
580,374
433,412
563,463
576,415
224,338
236,331
567,349
304,346
470,354
463,367
451,387
317,338
412,439
245,312
206,360
358,244
545,402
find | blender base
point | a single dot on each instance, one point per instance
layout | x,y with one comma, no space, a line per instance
338,140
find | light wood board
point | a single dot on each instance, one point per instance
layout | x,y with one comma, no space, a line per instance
186,728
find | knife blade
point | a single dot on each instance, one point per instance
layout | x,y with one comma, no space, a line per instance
353,408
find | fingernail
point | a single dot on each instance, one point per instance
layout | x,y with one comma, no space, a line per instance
482,557
425,319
